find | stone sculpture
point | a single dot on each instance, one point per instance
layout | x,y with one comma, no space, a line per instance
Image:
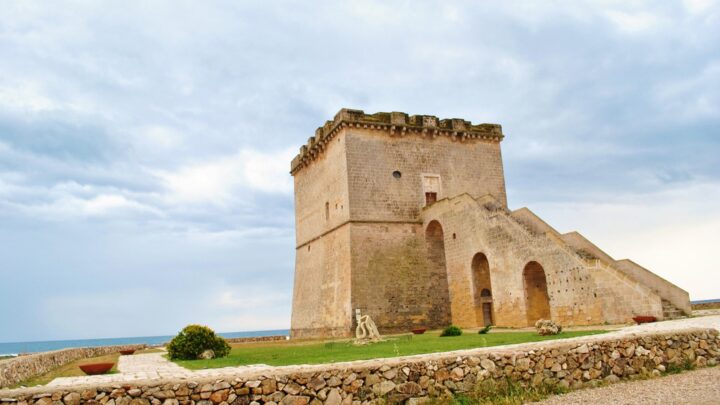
366,330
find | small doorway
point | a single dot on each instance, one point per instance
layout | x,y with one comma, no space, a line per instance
430,198
486,297
482,287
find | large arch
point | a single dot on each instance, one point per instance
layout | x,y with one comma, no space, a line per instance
438,292
482,290
537,300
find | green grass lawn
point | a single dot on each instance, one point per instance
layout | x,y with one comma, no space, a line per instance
286,353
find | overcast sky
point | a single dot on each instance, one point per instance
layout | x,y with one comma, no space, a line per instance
145,146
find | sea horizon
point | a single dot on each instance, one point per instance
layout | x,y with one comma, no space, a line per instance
17,348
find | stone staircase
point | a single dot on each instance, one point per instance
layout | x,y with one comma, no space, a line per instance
670,311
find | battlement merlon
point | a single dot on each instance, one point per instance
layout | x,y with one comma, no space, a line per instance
396,124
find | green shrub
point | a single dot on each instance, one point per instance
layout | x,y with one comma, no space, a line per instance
194,340
485,330
451,330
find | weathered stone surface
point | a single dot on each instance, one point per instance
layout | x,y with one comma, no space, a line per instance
487,364
383,388
409,388
219,396
295,400
72,398
316,383
206,355
292,388
333,398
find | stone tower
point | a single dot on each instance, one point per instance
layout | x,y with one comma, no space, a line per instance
405,218
360,185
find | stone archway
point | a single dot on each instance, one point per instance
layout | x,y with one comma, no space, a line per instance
537,300
482,290
438,292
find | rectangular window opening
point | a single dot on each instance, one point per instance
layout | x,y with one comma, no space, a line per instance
430,198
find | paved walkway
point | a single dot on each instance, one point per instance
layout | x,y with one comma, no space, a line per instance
699,387
153,366
150,366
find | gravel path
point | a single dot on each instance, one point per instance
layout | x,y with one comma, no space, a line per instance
699,387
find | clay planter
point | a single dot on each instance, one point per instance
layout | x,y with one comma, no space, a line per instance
96,368
418,331
127,352
644,319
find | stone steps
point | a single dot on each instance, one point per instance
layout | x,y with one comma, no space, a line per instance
670,311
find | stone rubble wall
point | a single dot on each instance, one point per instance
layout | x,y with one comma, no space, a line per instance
572,363
255,339
21,368
706,305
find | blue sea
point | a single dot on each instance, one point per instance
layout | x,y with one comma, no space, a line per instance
14,348
705,301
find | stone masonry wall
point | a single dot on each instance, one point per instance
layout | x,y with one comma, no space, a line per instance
470,229
473,167
392,280
321,296
706,305
580,291
256,339
574,362
21,368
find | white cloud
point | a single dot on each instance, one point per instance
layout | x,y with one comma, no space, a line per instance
26,96
672,232
68,207
634,22
225,178
161,137
249,308
698,6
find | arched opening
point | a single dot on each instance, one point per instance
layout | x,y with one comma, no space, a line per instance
438,294
482,290
537,300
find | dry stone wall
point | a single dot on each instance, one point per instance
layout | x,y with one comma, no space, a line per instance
706,305
574,363
21,368
256,339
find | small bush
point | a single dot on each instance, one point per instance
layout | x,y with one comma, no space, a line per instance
195,339
451,330
485,330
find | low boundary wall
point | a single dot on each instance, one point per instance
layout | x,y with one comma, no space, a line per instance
573,362
256,339
706,305
18,369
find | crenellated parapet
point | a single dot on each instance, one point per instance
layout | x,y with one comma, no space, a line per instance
394,124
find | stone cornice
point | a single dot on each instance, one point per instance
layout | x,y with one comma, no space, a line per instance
395,124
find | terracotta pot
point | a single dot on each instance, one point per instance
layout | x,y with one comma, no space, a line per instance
127,352
96,368
418,331
644,319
